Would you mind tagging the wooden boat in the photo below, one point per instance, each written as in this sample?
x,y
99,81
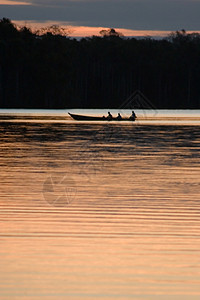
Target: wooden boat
x,y
93,118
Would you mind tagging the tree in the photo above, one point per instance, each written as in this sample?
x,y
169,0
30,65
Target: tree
x,y
48,70
7,29
53,30
178,36
110,32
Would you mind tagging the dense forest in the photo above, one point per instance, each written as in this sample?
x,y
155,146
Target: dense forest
x,y
48,69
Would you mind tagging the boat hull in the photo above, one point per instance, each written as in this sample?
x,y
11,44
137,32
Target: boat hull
x,y
93,118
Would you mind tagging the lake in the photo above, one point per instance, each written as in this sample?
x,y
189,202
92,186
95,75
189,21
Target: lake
x,y
99,210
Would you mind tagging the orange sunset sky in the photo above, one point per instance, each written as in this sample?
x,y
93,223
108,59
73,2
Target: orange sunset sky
x,y
89,17
81,31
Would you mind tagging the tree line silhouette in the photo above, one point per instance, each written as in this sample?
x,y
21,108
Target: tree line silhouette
x,y
48,69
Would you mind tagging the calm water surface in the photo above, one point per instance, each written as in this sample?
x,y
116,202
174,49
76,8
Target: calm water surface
x,y
99,211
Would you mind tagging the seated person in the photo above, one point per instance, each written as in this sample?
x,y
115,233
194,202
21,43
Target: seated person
x,y
109,117
133,116
119,117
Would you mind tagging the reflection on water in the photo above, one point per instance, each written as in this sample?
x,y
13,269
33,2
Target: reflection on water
x,y
105,211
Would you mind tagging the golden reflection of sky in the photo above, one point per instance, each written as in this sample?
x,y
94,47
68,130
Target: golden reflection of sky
x,y
132,230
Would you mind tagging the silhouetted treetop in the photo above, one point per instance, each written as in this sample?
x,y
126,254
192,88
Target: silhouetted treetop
x,y
7,29
110,32
182,37
53,30
48,69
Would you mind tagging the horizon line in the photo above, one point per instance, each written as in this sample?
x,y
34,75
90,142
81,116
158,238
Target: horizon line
x,y
86,31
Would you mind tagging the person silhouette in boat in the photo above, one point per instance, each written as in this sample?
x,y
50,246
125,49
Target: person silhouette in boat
x,y
119,117
109,116
133,116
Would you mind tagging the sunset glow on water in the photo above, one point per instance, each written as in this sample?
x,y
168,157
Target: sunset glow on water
x,y
99,211
103,201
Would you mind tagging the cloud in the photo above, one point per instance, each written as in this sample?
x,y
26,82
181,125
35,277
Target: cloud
x,y
94,2
13,2
130,14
